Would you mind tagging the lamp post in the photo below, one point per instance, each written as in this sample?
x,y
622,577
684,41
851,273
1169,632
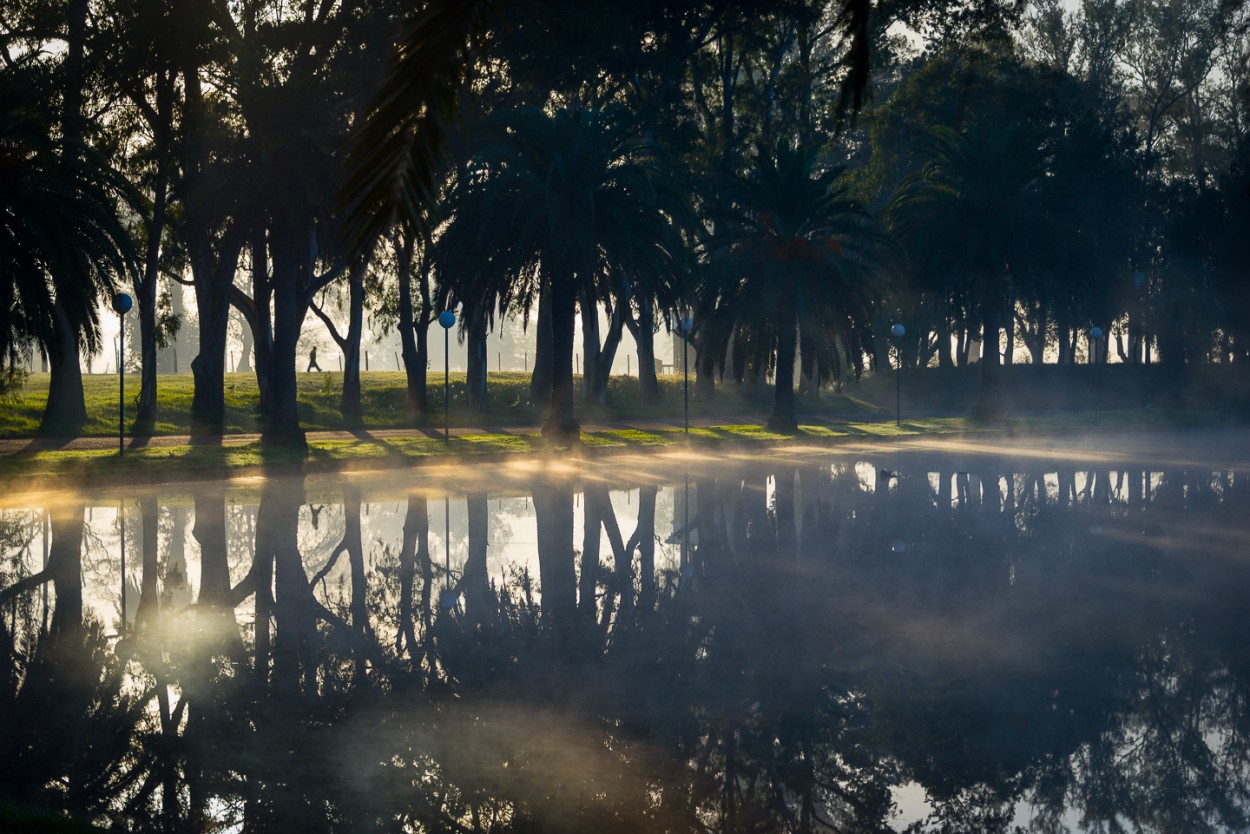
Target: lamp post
x,y
687,566
447,319
121,521
898,331
121,304
1095,336
686,325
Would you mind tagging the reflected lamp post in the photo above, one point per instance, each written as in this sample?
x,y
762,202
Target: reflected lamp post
x,y
449,598
446,319
686,325
121,304
898,331
687,566
121,521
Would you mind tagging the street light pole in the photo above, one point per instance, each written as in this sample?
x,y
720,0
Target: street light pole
x,y
686,326
1095,336
448,320
122,304
898,331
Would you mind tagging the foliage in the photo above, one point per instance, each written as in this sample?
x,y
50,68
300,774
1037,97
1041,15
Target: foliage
x,y
61,239
570,205
992,217
799,253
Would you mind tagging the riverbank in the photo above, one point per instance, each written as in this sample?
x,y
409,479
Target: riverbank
x,y
91,462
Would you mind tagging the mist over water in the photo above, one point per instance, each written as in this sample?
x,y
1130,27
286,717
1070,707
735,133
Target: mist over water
x,y
941,636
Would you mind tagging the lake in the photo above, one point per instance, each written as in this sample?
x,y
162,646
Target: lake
x,y
965,635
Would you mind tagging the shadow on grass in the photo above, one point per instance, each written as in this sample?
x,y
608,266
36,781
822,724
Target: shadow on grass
x,y
42,444
44,459
367,437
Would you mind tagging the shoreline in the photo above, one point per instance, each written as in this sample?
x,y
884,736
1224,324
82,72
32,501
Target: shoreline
x,y
243,457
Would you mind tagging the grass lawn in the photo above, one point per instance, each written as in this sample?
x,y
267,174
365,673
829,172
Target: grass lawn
x,y
382,399
510,424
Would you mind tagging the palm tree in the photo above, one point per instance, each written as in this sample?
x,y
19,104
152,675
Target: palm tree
x,y
567,206
62,246
801,257
398,147
397,151
990,210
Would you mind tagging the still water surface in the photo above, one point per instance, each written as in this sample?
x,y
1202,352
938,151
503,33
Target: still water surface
x,y
970,638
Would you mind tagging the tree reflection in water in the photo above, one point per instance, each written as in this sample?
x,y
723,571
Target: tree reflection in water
x,y
1036,647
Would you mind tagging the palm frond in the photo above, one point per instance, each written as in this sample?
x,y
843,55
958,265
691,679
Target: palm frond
x,y
397,150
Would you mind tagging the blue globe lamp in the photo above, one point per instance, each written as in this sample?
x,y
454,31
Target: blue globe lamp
x,y
898,331
447,320
121,305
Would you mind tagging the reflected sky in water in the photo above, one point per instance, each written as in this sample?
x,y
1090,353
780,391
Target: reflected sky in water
x,y
972,636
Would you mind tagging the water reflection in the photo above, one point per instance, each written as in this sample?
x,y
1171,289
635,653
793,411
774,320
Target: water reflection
x,y
914,641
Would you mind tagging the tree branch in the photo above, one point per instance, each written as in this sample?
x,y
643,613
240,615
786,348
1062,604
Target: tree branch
x,y
334,331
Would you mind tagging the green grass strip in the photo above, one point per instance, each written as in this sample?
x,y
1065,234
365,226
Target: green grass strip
x,y
176,463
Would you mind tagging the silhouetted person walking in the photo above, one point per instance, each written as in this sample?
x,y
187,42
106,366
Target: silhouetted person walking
x,y
312,361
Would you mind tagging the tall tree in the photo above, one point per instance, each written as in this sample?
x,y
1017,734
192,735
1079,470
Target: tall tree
x,y
62,244
89,191
146,47
567,204
801,258
988,212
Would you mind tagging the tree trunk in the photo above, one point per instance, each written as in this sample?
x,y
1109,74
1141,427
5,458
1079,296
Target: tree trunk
x,y
541,378
416,533
210,532
282,422
944,346
990,404
208,369
1037,340
277,540
477,598
262,319
607,353
212,266
246,349
553,513
645,534
561,423
349,402
475,374
591,348
1172,358
809,370
65,570
644,337
207,723
704,368
414,364
352,542
587,585
66,411
783,419
1010,351
145,286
